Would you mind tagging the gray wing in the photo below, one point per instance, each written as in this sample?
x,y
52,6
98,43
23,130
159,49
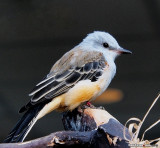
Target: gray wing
x,y
58,84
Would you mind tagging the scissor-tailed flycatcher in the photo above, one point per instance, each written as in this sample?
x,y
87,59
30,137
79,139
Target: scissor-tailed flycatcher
x,y
79,76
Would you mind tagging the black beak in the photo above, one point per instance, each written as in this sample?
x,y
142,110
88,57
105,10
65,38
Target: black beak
x,y
123,51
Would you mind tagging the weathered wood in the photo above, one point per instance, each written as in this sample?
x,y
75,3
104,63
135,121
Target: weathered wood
x,y
87,127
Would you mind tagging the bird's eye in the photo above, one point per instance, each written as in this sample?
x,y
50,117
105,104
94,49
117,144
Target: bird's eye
x,y
105,45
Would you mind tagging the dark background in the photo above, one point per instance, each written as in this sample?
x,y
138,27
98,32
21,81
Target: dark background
x,y
36,33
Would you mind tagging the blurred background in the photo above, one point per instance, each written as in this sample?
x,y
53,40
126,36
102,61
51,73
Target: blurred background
x,y
36,33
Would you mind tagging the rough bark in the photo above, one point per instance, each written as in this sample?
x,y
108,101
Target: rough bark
x,y
88,127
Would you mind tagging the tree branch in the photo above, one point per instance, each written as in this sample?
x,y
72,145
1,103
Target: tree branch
x,y
87,127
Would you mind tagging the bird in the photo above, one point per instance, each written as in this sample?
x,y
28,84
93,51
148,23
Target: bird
x,y
79,76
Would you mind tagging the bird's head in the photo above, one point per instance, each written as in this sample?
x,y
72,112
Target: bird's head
x,y
105,43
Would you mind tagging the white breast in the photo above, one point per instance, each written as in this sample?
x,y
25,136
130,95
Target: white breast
x,y
107,76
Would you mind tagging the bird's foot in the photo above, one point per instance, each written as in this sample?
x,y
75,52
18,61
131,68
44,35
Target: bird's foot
x,y
88,104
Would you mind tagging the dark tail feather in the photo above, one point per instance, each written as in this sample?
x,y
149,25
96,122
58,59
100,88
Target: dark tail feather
x,y
24,125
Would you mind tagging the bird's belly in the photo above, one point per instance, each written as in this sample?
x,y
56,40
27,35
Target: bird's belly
x,y
87,91
105,80
83,91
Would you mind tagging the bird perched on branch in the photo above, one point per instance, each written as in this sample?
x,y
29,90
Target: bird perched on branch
x,y
81,75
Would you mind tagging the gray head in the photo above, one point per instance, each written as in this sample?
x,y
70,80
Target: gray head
x,y
104,42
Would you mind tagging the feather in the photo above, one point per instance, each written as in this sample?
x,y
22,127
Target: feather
x,y
58,83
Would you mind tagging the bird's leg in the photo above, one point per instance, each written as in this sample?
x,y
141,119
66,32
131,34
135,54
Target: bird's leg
x,y
88,104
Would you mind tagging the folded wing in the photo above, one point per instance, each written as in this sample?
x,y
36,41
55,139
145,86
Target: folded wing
x,y
56,84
